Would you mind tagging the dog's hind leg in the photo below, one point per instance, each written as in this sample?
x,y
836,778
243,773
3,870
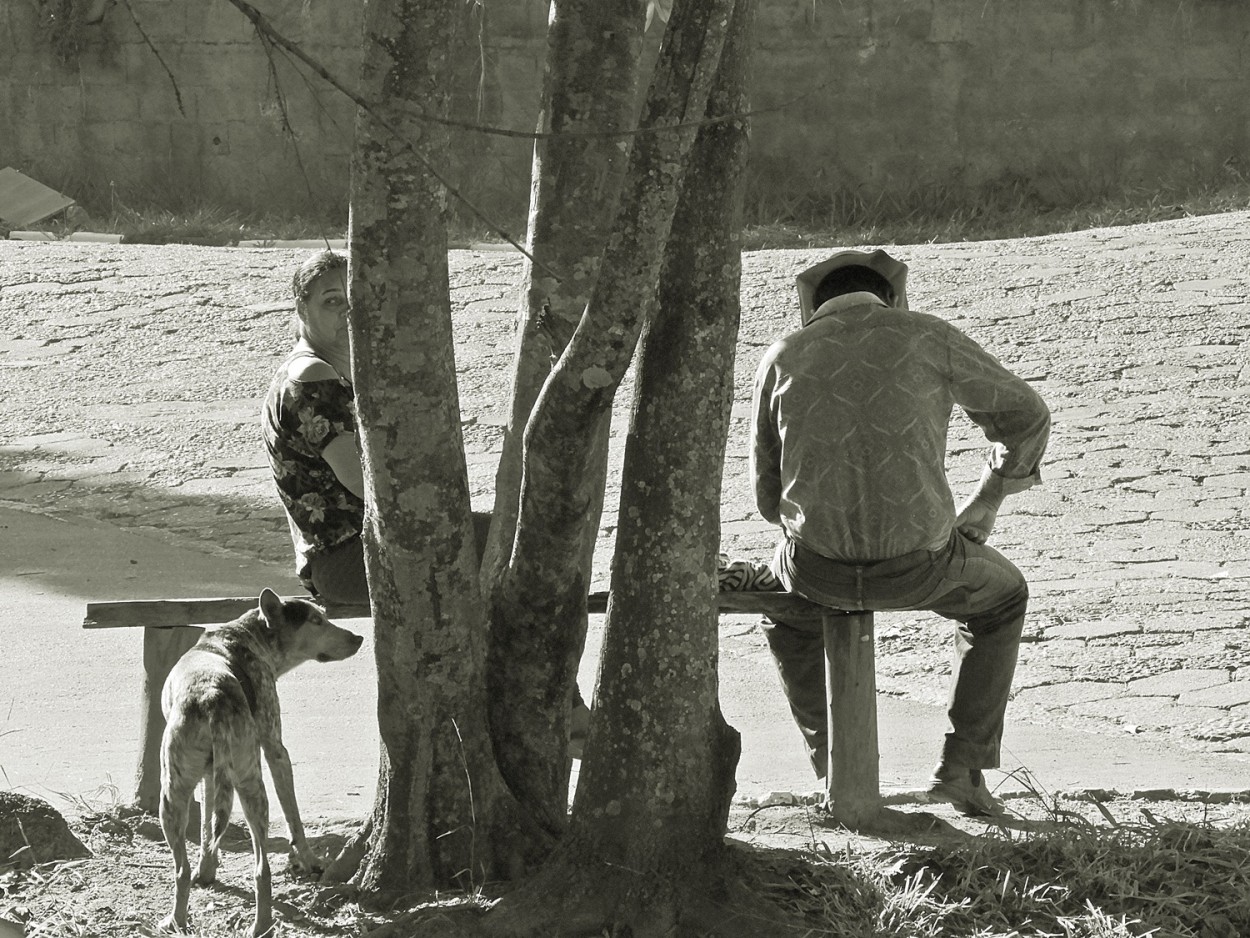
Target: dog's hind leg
x,y
255,804
177,787
218,802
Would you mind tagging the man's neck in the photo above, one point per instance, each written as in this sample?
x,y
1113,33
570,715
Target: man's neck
x,y
846,301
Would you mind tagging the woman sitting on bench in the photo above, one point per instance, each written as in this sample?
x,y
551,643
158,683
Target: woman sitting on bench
x,y
309,426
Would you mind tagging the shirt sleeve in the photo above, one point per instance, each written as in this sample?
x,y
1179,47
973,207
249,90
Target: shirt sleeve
x,y
1012,415
319,412
766,445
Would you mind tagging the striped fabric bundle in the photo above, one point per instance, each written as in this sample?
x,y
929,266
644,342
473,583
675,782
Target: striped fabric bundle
x,y
741,575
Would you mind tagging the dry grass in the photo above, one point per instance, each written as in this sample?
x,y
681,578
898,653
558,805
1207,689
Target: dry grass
x,y
209,226
914,213
1082,871
923,215
1051,870
1166,878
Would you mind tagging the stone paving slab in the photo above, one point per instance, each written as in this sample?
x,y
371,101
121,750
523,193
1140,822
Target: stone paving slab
x,y
130,381
1174,683
1224,696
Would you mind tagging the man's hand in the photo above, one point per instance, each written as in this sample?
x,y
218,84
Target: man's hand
x,y
977,515
976,519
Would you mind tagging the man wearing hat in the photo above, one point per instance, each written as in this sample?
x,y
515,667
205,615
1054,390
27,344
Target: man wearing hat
x,y
848,456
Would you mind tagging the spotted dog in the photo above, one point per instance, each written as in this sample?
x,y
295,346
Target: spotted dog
x,y
221,710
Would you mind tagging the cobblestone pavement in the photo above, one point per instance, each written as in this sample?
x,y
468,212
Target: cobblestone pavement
x,y
131,376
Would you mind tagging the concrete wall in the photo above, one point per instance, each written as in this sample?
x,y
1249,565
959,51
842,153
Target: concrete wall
x,y
1064,98
864,102
107,124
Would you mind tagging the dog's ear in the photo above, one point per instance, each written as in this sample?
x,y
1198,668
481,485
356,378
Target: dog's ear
x,y
271,608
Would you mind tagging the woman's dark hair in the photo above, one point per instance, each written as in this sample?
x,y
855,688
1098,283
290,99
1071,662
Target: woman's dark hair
x,y
313,267
854,278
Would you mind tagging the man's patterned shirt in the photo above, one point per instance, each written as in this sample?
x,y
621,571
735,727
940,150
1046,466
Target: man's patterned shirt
x,y
851,415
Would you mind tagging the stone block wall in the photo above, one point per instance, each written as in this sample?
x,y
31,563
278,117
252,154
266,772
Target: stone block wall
x,y
1061,98
184,108
861,102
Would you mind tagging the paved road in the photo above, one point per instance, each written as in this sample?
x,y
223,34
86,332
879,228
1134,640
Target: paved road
x,y
69,701
130,378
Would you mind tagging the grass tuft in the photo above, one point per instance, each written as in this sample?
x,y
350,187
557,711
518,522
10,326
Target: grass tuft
x,y
1072,880
208,225
912,214
1008,211
4,733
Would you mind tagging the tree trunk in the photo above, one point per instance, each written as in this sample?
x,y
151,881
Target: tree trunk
x,y
644,852
659,775
589,92
590,87
443,815
544,588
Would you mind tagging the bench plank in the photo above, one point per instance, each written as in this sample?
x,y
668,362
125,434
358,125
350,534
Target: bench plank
x,y
852,782
170,613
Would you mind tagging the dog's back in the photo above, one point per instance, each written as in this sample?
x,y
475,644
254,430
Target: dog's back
x,y
203,700
215,699
221,710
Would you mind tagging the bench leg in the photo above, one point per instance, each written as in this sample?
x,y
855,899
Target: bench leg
x,y
162,647
854,791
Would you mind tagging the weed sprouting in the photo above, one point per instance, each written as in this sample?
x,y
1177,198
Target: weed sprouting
x,y
4,733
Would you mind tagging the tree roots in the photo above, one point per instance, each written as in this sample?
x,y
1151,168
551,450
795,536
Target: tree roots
x,y
577,896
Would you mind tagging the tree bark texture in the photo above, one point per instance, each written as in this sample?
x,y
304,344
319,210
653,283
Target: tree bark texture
x,y
659,773
442,815
644,854
590,87
543,591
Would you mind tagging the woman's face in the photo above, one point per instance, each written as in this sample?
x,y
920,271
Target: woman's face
x,y
324,313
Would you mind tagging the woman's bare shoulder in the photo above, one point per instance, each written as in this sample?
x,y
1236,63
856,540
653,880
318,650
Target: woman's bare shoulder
x,y
308,368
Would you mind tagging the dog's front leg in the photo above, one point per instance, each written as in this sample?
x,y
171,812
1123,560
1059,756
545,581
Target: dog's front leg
x,y
284,784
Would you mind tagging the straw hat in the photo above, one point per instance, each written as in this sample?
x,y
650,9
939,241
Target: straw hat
x,y
892,270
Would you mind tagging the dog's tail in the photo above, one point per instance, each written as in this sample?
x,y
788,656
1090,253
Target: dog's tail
x,y
218,784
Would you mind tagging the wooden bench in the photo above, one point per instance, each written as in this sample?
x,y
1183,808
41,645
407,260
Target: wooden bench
x,y
853,782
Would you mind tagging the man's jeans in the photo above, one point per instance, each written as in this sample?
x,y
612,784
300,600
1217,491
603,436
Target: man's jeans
x,y
970,583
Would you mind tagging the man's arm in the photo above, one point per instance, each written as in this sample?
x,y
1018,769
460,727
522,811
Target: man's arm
x,y
766,446
1013,417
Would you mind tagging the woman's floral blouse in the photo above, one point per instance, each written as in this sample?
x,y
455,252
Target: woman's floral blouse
x,y
299,421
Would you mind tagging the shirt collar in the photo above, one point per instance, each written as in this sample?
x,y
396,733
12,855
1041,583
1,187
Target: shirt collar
x,y
844,302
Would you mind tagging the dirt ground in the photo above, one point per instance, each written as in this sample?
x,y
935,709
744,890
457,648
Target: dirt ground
x,y
126,886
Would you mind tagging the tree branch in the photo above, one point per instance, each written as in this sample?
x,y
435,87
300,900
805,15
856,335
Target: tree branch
x,y
268,34
287,128
156,52
264,26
